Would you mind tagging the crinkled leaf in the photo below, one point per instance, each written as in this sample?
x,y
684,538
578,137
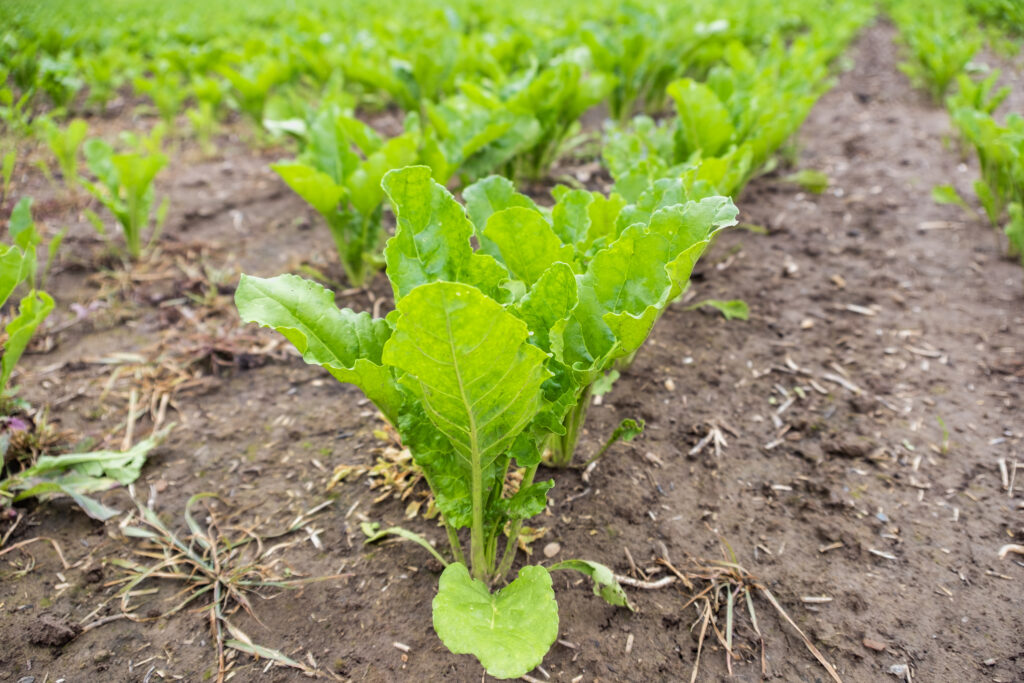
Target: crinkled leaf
x,y
526,242
488,196
530,501
510,631
550,300
603,384
78,474
432,237
348,344
570,215
469,363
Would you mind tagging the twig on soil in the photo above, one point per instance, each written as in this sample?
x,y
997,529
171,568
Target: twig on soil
x,y
1010,548
646,585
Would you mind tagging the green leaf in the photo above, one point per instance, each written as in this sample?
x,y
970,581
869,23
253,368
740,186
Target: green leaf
x,y
32,310
348,344
810,180
469,363
551,299
22,227
78,474
947,194
12,270
732,310
605,585
603,384
527,244
432,237
704,122
364,183
488,196
316,187
570,216
1015,230
510,631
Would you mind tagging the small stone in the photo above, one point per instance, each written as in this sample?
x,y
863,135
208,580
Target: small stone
x,y
552,549
806,324
160,486
876,645
991,661
899,670
27,679
670,385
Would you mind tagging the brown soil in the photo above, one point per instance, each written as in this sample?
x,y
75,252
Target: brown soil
x,y
877,318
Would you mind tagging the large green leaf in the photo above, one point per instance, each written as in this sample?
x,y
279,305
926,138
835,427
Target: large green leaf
x,y
510,631
365,182
432,237
468,361
348,344
32,310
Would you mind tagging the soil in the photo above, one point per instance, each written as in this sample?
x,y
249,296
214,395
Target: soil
x,y
863,411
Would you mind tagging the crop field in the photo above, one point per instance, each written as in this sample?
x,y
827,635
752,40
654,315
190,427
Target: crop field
x,y
460,340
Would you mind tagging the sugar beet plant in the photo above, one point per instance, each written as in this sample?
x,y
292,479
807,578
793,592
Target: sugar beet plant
x,y
19,268
485,357
339,175
124,185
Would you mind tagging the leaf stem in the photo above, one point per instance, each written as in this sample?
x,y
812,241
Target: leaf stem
x,y
565,445
513,538
453,541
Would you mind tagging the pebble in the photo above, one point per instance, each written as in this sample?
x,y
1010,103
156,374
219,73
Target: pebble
x,y
670,384
551,549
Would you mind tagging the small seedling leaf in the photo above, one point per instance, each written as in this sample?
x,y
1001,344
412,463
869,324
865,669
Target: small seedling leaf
x,y
605,585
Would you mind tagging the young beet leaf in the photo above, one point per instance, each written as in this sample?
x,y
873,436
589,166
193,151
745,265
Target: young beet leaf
x,y
344,187
18,265
125,187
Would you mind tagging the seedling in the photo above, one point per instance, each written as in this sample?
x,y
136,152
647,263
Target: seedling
x,y
124,185
344,187
19,266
